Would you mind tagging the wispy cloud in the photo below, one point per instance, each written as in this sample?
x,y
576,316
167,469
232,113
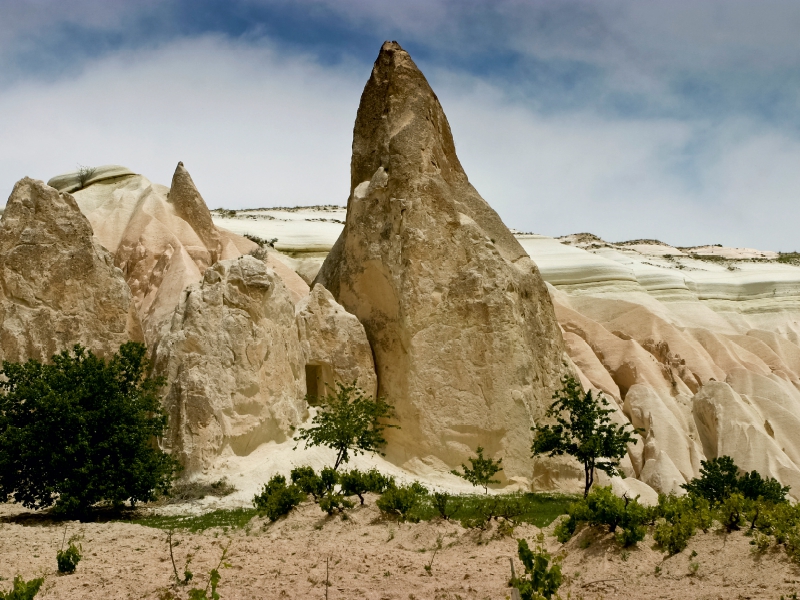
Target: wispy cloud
x,y
671,119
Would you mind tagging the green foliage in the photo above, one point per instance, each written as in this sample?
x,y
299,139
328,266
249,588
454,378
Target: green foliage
x,y
334,502
348,422
277,498
482,471
68,559
80,431
719,478
446,505
358,483
213,581
399,501
731,511
584,431
224,518
602,508
677,518
541,579
22,590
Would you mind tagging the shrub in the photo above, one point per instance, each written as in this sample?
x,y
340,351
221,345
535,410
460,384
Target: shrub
x,y
398,501
308,482
23,590
446,505
541,579
332,502
358,483
68,559
719,478
677,519
80,431
583,430
482,471
277,498
602,508
348,422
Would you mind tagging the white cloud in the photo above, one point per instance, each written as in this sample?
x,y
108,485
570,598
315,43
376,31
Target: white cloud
x,y
257,127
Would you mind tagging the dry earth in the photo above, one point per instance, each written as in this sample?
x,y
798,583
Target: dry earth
x,y
373,558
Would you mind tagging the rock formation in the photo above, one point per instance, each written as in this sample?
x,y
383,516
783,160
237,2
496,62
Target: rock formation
x,y
233,363
162,238
466,344
334,344
58,286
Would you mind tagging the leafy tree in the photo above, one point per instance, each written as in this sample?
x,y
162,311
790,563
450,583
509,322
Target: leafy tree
x,y
719,479
348,422
81,430
482,470
583,430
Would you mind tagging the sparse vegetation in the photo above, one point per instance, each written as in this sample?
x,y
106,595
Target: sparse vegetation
x,y
584,431
85,174
482,471
541,579
68,559
80,431
223,519
348,422
277,499
22,590
623,516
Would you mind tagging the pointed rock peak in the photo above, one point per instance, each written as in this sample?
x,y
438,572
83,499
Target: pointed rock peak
x,y
402,142
190,206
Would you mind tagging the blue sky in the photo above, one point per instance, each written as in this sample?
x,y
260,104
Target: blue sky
x,y
663,119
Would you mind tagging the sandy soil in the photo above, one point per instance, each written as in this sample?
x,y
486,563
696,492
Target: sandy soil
x,y
373,558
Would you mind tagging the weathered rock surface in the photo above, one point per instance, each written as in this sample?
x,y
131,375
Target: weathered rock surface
x,y
162,238
58,286
233,362
466,344
334,345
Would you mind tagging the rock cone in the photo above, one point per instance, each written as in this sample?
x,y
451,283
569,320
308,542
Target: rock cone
x,y
58,286
465,339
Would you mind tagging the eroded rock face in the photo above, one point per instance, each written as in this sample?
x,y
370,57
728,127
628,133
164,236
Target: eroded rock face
x,y
161,238
465,340
334,344
59,286
233,362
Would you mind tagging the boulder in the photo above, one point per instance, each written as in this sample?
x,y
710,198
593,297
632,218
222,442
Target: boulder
x,y
465,339
334,345
59,286
233,364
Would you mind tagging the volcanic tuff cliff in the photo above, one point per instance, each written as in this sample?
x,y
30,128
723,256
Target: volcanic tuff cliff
x,y
58,286
466,343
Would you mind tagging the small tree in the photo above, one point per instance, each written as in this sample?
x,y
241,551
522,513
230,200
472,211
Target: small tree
x,y
583,430
81,430
482,470
348,422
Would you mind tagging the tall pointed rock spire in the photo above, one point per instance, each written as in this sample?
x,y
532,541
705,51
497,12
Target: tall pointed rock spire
x,y
465,338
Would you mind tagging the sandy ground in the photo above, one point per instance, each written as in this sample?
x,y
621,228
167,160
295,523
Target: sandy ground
x,y
372,558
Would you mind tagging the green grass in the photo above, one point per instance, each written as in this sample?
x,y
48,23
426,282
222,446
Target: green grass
x,y
234,519
539,509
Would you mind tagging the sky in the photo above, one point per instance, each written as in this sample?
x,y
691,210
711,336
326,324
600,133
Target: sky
x,y
667,119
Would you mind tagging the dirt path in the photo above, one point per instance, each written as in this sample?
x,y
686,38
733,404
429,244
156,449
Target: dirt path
x,y
376,559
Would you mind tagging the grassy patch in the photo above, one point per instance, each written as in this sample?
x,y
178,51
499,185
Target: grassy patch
x,y
539,509
234,519
186,491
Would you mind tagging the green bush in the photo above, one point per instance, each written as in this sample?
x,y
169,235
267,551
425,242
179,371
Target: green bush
x,y
602,508
308,482
482,471
80,431
68,559
358,483
541,579
277,498
446,505
678,518
719,478
399,501
23,590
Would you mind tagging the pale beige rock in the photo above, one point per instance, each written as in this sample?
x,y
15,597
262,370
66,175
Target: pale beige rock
x,y
466,343
162,239
334,345
77,180
233,362
59,286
